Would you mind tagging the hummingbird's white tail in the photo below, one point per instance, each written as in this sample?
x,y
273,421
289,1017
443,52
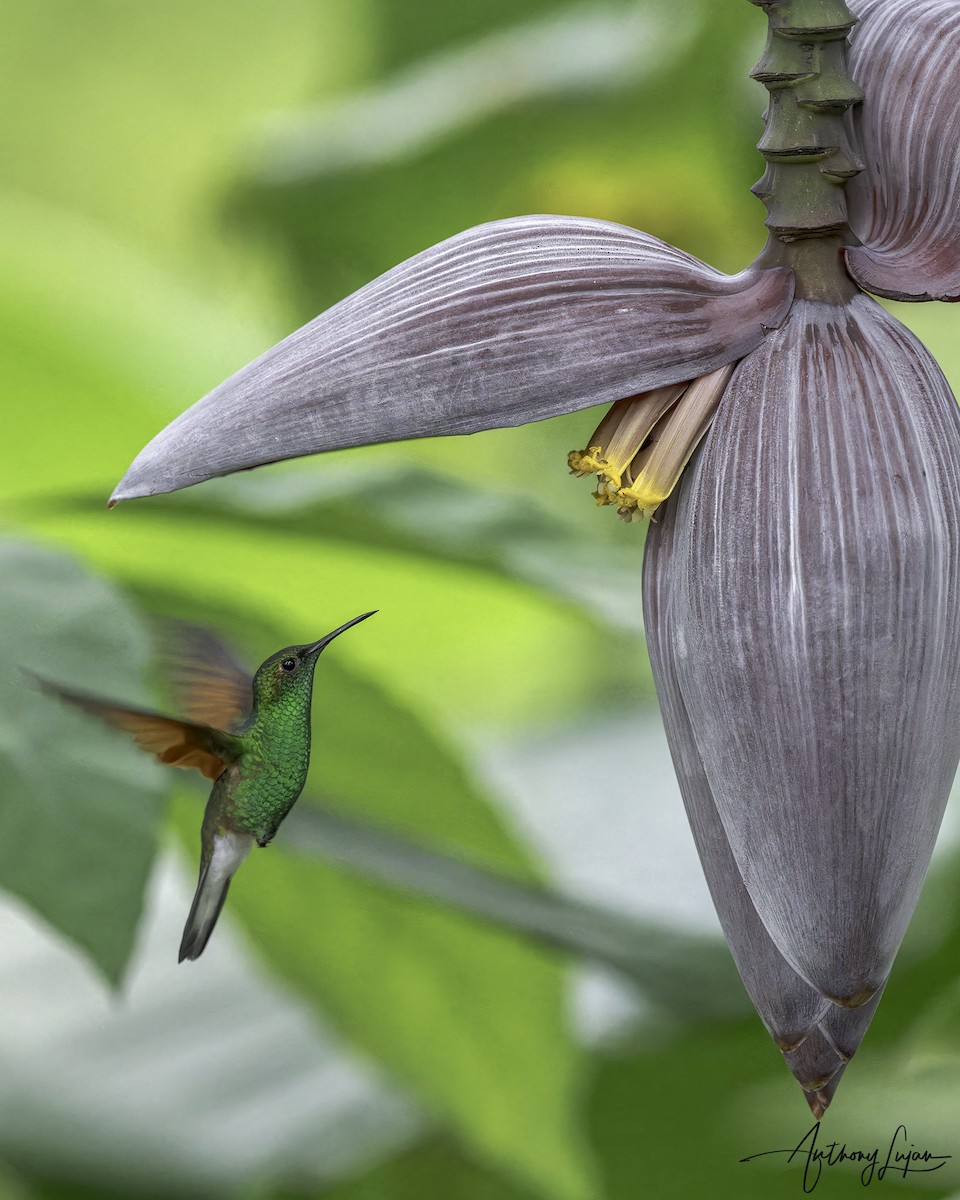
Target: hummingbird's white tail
x,y
229,851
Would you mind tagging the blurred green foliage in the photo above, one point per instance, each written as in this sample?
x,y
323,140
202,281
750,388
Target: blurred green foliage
x,y
81,814
184,183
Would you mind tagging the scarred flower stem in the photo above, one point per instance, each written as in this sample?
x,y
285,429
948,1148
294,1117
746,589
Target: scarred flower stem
x,y
807,142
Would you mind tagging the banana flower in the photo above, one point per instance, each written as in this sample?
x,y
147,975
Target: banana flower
x,y
801,452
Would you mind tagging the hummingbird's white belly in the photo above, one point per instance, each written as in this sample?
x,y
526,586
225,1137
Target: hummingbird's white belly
x,y
229,851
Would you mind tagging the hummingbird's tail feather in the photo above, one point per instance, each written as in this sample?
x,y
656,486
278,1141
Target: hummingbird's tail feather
x,y
229,851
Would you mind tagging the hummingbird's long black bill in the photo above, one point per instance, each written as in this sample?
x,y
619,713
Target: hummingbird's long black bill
x,y
325,641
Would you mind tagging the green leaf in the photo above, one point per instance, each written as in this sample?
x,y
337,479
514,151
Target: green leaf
x,y
455,644
689,976
165,99
79,806
434,1169
472,1019
932,1043
98,347
350,191
13,1186
422,27
374,758
433,515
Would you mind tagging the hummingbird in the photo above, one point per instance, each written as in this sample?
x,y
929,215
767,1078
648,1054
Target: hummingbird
x,y
249,735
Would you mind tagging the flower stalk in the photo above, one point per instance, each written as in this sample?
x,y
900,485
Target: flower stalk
x,y
806,141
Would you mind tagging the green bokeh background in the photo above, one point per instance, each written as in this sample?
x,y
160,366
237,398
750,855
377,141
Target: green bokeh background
x,y
181,185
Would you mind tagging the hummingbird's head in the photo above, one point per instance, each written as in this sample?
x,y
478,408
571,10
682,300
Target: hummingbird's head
x,y
289,672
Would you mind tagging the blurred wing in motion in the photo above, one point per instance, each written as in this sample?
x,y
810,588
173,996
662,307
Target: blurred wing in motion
x,y
172,742
209,684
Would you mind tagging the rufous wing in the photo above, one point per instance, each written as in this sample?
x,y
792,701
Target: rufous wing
x,y
175,743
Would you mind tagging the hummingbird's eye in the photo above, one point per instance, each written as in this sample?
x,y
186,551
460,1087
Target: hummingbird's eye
x,y
289,665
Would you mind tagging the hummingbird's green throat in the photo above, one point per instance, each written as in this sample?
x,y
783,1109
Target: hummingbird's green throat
x,y
251,736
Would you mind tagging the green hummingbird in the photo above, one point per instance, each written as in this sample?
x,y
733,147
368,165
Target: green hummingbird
x,y
251,736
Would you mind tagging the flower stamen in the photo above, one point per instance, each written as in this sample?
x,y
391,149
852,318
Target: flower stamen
x,y
641,446
622,431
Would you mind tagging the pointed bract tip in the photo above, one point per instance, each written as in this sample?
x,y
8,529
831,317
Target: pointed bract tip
x,y
126,490
819,1100
143,479
818,1106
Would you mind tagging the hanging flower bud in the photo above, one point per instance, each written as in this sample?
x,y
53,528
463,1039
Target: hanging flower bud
x,y
805,646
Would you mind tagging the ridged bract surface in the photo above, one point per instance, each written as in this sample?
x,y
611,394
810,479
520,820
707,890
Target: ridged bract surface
x,y
509,322
905,207
801,598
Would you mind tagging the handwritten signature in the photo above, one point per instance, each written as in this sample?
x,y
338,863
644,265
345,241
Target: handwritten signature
x,y
901,1158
